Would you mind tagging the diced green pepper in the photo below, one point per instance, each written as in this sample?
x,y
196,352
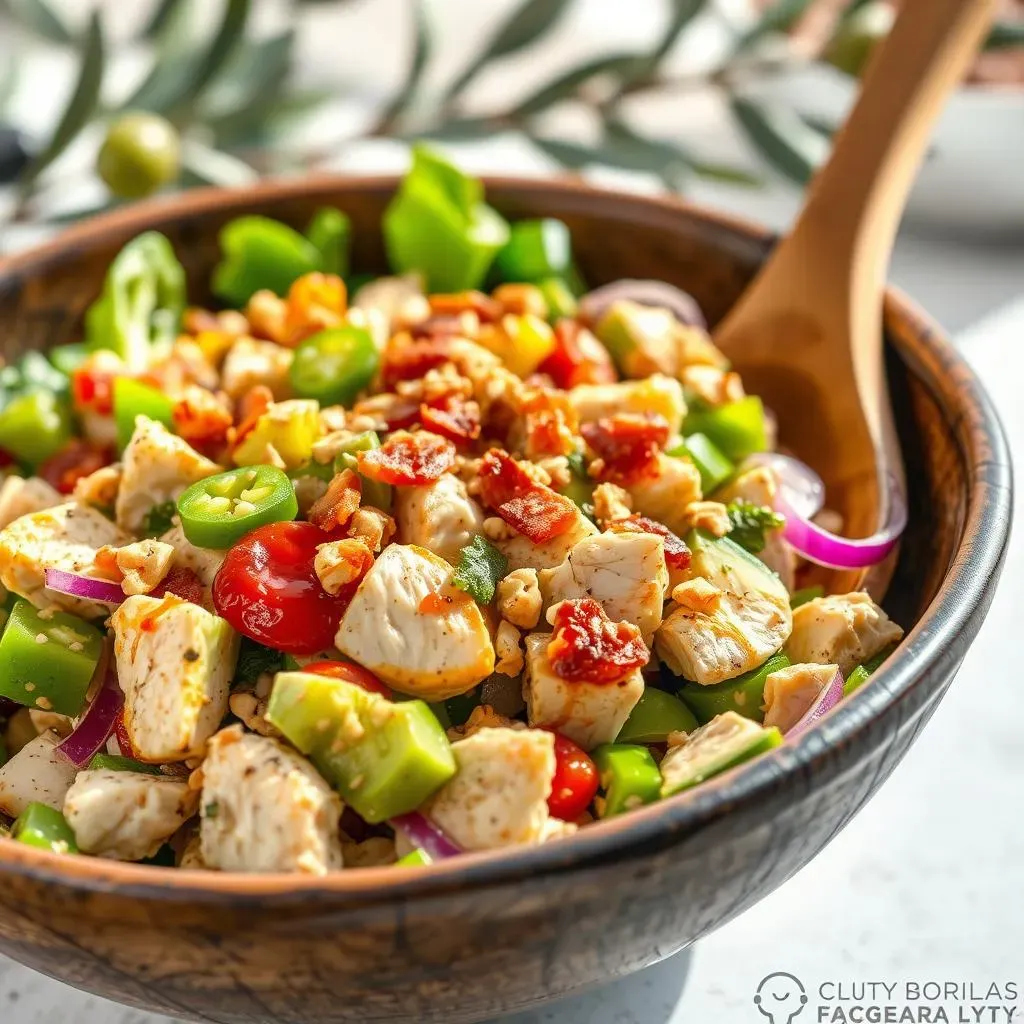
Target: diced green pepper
x,y
68,358
44,828
799,597
333,366
713,466
655,715
48,662
142,301
220,510
384,758
375,492
629,778
744,694
115,763
330,231
259,253
736,428
415,859
481,566
439,225
559,297
723,743
35,426
133,398
862,673
535,249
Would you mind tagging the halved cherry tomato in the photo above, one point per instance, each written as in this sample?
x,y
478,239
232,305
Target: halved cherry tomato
x,y
268,590
677,554
575,780
578,358
535,511
587,647
349,673
75,460
408,459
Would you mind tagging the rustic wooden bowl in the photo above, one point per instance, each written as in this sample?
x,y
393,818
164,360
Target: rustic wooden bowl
x,y
497,932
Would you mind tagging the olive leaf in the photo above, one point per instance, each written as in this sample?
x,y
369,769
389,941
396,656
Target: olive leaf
x,y
531,20
683,12
568,84
1004,34
625,148
423,46
786,141
250,80
83,100
726,174
571,155
8,82
459,129
204,165
779,17
39,17
158,19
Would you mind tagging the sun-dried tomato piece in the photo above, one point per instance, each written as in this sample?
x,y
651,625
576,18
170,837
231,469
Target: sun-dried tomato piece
x,y
532,509
677,554
627,443
183,583
452,416
338,503
408,358
75,460
408,459
395,412
578,358
587,647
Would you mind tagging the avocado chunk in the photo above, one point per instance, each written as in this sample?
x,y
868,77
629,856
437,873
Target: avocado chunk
x,y
726,741
731,567
383,758
629,778
744,694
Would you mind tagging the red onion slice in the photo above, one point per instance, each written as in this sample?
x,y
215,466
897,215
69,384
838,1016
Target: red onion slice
x,y
829,697
97,723
425,836
75,585
805,490
595,304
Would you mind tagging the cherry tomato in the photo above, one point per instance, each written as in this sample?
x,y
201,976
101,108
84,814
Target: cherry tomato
x,y
268,590
77,459
355,674
92,386
575,781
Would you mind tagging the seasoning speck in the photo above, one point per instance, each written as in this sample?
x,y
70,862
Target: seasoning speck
x,y
45,703
191,655
211,810
76,646
42,638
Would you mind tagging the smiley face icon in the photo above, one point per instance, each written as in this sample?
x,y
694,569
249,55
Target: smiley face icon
x,y
780,997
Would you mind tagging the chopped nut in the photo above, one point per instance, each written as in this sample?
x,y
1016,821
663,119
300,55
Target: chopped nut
x,y
373,525
519,598
497,529
144,565
712,516
520,299
557,467
508,650
483,716
267,316
611,502
698,595
341,562
251,710
328,446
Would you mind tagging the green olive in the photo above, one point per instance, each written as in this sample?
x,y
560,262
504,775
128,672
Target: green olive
x,y
857,36
141,153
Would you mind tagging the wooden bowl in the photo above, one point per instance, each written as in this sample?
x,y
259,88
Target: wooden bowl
x,y
496,932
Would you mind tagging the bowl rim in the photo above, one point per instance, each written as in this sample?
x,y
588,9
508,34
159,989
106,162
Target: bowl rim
x,y
959,603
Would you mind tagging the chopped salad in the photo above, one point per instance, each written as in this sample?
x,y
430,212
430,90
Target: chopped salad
x,y
359,570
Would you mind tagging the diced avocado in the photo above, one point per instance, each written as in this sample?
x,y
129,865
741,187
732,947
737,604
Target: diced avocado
x,y
289,427
117,763
744,694
713,466
726,741
629,778
383,758
731,567
655,715
640,339
416,859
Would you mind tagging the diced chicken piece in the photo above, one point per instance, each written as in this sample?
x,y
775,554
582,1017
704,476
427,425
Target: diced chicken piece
x,y
519,598
19,497
790,692
499,795
158,466
438,516
64,537
127,815
341,562
100,488
175,661
250,362
404,626
399,299
507,650
266,808
711,384
844,629
757,486
204,562
611,502
36,774
588,713
624,572
715,635
658,394
144,565
664,494
522,553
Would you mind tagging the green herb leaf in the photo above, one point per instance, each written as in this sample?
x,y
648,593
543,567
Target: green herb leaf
x,y
81,105
459,129
748,524
1005,34
229,33
683,12
481,567
423,47
206,166
253,660
39,17
527,23
779,17
158,519
567,85
782,137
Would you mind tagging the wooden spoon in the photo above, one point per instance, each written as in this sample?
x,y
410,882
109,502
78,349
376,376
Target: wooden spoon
x,y
807,333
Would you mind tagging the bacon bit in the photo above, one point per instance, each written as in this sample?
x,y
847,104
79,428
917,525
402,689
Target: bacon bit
x,y
181,583
587,647
315,301
627,443
406,358
551,424
677,554
201,420
408,459
453,417
578,358
76,460
105,563
452,304
92,383
253,405
531,509
339,503
394,411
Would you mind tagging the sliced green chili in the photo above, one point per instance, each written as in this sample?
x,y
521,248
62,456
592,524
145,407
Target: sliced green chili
x,y
133,398
35,426
333,366
45,828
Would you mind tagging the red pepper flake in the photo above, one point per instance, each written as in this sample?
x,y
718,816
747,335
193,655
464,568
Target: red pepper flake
x,y
587,647
677,554
409,359
627,443
454,417
76,460
408,459
182,583
578,358
339,503
532,509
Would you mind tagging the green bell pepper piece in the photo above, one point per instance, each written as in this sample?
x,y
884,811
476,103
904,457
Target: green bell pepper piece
x,y
333,366
862,673
35,426
330,231
115,763
629,778
737,429
133,398
439,225
259,253
654,716
375,492
45,828
799,597
535,249
559,297
220,510
744,694
713,466
68,358
384,758
481,566
52,673
415,859
142,301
